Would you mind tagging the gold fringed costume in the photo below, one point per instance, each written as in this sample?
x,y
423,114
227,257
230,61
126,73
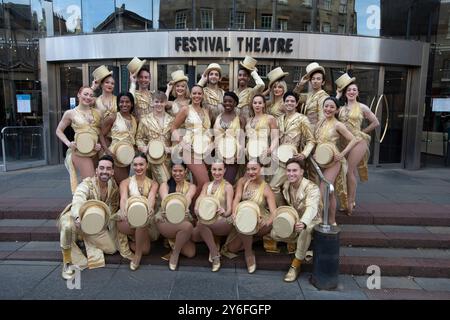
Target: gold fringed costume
x,y
245,96
212,100
106,110
81,125
275,108
294,130
306,200
313,107
96,245
123,130
143,101
196,125
353,119
151,129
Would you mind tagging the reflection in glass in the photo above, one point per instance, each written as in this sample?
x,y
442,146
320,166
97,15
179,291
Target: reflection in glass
x,y
38,20
369,17
98,15
134,14
67,16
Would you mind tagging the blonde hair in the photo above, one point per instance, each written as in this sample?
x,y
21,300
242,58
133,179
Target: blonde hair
x,y
187,93
281,83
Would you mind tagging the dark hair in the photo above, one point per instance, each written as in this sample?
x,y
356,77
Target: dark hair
x,y
171,183
232,95
140,155
301,163
126,94
248,72
344,97
290,93
107,157
144,69
317,71
336,101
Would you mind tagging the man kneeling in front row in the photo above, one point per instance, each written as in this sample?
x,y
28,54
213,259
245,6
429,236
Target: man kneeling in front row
x,y
304,196
96,197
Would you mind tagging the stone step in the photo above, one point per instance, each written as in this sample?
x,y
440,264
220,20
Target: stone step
x,y
389,236
433,263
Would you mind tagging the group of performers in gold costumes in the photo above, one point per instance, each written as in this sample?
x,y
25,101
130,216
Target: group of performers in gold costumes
x,y
246,157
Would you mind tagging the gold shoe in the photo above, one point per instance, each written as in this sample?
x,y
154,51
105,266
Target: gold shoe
x,y
173,266
134,266
215,263
292,274
251,268
67,272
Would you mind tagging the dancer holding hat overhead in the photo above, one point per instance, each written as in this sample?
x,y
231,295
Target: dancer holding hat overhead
x,y
304,196
244,92
143,96
106,103
178,87
277,88
177,190
122,127
216,195
328,132
82,152
251,189
137,186
229,136
153,138
94,200
352,114
213,93
315,75
196,144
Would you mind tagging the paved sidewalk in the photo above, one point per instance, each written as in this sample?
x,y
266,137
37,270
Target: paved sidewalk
x,y
42,280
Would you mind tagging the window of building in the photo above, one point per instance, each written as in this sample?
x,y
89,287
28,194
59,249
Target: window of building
x,y
206,18
239,22
446,71
343,6
297,73
326,27
307,3
266,21
326,4
181,19
448,28
307,26
282,24
263,70
341,28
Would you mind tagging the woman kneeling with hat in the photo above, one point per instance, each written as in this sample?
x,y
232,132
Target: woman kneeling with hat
x,y
253,196
213,210
174,220
137,205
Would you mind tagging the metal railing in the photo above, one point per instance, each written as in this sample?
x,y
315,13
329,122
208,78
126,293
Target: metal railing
x,y
23,147
324,226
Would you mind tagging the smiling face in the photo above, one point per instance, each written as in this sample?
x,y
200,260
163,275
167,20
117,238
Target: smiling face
x,y
140,166
278,89
144,79
86,96
197,95
329,109
253,170
178,173
159,105
317,81
294,172
258,104
125,104
229,103
352,92
108,84
217,171
213,77
290,103
180,88
104,170
243,78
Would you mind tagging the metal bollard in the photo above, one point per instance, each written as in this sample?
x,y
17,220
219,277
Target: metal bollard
x,y
325,274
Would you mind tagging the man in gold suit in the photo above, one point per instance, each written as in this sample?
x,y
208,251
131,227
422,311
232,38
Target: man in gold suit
x,y
103,188
304,196
213,94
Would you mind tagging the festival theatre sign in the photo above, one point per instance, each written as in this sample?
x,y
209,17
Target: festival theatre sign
x,y
214,44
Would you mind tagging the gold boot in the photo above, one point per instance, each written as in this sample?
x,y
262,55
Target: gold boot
x,y
270,245
291,247
293,271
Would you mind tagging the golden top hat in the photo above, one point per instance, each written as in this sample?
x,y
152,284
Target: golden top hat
x,y
137,211
207,209
175,205
178,76
213,66
324,154
156,152
344,81
249,63
101,73
247,217
313,67
227,147
200,143
124,152
286,152
284,223
85,142
94,216
275,75
135,65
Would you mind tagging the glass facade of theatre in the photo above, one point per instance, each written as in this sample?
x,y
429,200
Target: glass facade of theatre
x,y
396,49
